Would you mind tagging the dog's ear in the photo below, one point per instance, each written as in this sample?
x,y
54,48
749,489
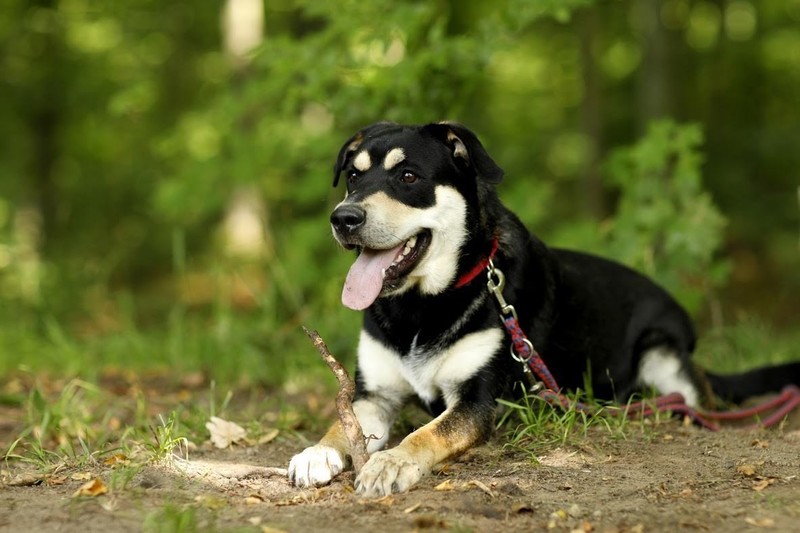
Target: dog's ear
x,y
351,146
466,147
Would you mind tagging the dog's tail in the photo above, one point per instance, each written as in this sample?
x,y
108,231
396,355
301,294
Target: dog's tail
x,y
738,387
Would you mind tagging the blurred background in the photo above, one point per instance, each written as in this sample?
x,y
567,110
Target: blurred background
x,y
166,167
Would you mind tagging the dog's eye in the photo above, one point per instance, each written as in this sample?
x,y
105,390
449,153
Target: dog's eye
x,y
352,176
408,177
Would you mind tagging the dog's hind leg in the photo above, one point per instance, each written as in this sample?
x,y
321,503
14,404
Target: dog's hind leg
x,y
663,369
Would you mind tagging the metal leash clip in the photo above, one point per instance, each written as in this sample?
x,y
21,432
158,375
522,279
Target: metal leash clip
x,y
496,288
496,283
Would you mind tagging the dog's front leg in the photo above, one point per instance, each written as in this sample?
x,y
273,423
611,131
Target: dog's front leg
x,y
318,464
398,469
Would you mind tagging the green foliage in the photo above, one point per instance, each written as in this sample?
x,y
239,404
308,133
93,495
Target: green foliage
x,y
132,131
666,225
173,519
749,343
166,440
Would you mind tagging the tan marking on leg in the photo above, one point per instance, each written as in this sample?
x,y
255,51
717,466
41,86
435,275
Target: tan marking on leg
x,y
448,435
335,438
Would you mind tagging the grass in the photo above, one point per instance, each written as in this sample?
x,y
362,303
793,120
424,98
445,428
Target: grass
x,y
532,425
173,519
82,418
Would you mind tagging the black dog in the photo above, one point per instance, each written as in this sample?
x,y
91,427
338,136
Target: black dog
x,y
423,215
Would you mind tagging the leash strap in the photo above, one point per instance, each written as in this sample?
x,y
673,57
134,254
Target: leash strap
x,y
523,351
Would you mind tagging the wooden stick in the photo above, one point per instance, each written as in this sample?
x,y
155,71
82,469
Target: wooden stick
x,y
344,403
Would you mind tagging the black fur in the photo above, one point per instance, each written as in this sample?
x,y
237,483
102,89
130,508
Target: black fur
x,y
585,315
588,317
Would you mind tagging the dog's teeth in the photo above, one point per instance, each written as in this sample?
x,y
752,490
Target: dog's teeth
x,y
383,272
412,242
406,250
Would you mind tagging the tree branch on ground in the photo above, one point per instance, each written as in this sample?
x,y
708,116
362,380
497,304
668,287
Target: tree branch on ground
x,y
344,403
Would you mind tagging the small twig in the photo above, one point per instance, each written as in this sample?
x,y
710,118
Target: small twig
x,y
344,402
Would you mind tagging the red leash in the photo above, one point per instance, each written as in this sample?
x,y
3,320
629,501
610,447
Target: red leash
x,y
522,350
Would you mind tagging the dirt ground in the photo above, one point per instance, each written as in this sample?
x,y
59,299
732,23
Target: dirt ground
x,y
667,478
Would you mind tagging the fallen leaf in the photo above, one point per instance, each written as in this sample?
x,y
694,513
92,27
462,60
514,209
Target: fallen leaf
x,y
81,476
253,499
269,436
25,480
118,458
445,485
758,443
91,489
409,510
482,486
56,480
386,501
758,486
746,470
760,522
224,433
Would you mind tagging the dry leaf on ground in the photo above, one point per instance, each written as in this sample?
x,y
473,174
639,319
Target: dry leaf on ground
x,y
445,485
224,433
762,484
746,470
92,488
269,436
25,480
482,486
760,522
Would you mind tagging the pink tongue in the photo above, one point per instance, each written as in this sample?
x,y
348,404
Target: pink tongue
x,y
364,281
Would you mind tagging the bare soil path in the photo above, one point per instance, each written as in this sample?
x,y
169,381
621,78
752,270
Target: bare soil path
x,y
668,478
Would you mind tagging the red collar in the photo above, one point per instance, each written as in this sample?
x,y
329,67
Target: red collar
x,y
477,269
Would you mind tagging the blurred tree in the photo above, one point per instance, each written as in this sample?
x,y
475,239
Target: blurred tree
x,y
132,133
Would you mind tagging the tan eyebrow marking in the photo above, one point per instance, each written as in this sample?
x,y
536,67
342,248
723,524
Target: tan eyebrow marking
x,y
362,161
393,158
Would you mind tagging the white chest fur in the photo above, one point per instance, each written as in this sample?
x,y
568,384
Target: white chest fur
x,y
427,374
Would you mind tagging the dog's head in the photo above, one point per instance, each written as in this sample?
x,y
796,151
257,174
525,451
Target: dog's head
x,y
411,198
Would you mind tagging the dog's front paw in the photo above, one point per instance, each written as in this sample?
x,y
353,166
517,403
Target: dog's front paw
x,y
315,466
387,472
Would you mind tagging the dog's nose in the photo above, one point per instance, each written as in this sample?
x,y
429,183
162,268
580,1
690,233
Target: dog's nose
x,y
348,218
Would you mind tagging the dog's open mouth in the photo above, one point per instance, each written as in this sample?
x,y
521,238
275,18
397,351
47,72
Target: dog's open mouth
x,y
377,270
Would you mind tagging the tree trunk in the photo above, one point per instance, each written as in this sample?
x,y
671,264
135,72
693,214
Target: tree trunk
x,y
591,116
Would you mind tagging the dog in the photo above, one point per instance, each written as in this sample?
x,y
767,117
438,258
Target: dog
x,y
423,216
